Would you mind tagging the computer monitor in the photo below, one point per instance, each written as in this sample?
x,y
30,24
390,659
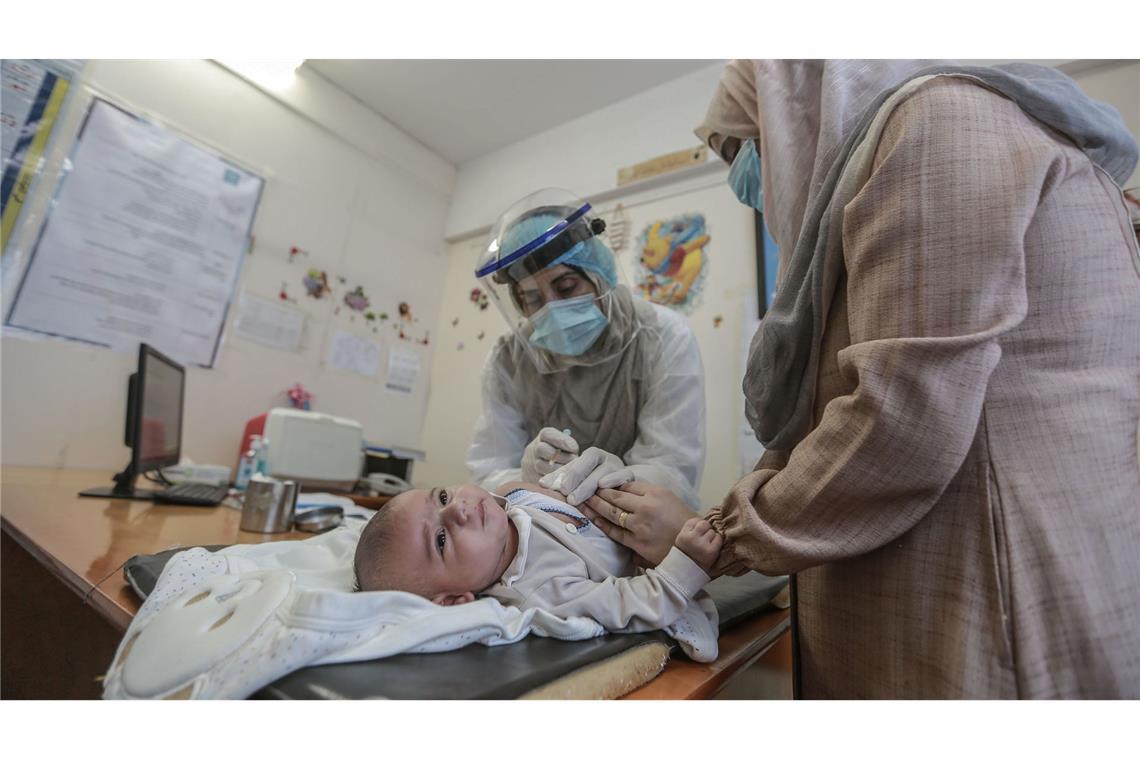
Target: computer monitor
x,y
153,426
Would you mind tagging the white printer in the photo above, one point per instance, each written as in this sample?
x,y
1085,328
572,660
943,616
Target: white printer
x,y
316,450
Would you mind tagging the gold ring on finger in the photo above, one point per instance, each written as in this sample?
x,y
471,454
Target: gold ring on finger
x,y
622,519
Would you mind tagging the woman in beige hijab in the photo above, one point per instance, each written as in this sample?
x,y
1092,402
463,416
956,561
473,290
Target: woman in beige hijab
x,y
948,383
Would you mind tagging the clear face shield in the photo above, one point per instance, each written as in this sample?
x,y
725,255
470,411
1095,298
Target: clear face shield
x,y
556,282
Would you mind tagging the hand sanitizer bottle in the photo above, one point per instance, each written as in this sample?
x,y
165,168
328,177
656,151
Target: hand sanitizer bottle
x,y
262,465
248,463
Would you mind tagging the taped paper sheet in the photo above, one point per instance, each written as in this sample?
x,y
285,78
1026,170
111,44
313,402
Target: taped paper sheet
x,y
351,353
270,323
403,371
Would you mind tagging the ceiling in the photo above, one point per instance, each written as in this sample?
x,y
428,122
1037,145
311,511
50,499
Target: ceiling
x,y
463,109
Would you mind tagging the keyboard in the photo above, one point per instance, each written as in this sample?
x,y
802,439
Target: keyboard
x,y
193,494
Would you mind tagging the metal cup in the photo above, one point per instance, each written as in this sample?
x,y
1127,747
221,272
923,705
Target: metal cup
x,y
269,505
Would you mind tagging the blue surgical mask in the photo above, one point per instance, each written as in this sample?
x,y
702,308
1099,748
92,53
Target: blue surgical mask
x,y
569,326
744,176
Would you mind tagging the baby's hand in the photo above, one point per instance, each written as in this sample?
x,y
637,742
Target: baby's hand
x,y
698,540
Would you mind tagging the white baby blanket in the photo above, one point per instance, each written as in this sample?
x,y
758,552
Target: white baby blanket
x,y
222,625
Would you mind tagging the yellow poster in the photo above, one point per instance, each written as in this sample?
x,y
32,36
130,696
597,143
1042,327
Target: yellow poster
x,y
673,264
32,97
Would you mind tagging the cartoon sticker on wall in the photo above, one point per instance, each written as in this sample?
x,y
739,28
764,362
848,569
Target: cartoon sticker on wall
x,y
479,298
617,228
356,300
316,283
673,265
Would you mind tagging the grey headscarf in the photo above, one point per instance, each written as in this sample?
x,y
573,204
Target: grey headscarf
x,y
808,117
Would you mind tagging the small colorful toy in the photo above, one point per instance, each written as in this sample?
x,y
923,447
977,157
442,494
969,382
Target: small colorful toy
x,y
299,398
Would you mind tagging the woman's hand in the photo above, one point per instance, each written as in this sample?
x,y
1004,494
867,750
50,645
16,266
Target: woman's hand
x,y
653,517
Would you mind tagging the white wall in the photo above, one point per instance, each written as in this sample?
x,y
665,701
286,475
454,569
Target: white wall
x,y
341,183
1119,85
455,402
582,155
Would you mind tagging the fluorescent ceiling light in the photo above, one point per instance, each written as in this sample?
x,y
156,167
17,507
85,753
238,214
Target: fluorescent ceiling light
x,y
273,75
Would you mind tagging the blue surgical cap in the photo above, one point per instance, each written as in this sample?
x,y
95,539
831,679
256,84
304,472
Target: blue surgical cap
x,y
591,254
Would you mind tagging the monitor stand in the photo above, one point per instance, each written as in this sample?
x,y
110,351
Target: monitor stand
x,y
123,488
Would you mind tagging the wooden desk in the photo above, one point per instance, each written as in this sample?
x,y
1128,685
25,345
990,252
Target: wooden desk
x,y
762,642
83,542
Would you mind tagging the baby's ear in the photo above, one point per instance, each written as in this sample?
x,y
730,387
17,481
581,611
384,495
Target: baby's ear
x,y
449,599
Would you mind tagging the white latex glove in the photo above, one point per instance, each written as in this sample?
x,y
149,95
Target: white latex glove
x,y
549,450
593,469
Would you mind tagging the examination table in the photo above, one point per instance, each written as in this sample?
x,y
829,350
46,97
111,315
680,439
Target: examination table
x,y
536,667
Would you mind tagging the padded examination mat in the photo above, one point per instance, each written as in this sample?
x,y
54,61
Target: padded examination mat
x,y
604,667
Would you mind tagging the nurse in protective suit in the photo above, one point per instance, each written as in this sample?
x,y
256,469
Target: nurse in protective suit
x,y
592,387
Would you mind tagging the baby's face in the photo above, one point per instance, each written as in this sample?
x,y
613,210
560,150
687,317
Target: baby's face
x,y
451,540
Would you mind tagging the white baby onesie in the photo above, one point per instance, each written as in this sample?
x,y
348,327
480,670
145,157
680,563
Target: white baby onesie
x,y
578,571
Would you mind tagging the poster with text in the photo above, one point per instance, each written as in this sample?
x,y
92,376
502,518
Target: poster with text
x,y
144,244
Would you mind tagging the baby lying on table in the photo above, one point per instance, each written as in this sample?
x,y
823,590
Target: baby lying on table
x,y
451,545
